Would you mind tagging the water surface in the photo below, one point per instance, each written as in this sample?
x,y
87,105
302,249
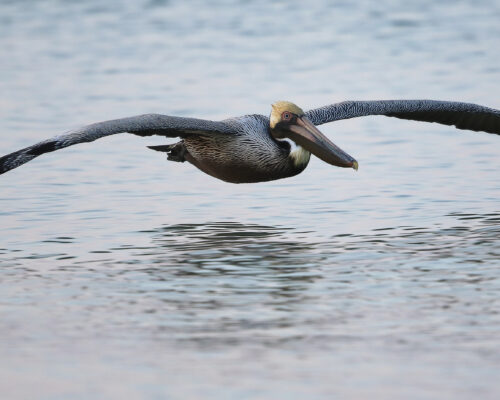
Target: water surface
x,y
124,276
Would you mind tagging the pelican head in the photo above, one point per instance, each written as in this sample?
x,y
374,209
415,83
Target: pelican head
x,y
287,120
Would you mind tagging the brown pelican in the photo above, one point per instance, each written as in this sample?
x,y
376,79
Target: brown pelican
x,y
254,148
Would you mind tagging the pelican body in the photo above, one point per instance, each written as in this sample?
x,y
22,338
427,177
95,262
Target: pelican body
x,y
255,148
249,155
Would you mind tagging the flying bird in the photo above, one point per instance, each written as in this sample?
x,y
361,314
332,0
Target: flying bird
x,y
256,148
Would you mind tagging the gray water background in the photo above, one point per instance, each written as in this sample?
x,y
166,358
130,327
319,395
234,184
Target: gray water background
x,y
126,276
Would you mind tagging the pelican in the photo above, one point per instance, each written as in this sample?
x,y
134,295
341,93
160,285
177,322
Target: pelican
x,y
255,148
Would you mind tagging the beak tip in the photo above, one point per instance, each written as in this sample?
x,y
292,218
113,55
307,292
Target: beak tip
x,y
355,165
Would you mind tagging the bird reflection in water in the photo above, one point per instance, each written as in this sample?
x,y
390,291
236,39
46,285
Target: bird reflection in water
x,y
264,258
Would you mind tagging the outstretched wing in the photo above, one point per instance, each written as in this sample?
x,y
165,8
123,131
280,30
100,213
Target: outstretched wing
x,y
462,115
142,125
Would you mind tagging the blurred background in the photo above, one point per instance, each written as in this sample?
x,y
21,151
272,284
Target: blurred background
x,y
123,275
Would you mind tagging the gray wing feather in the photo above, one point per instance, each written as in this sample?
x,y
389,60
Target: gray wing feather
x,y
142,125
462,115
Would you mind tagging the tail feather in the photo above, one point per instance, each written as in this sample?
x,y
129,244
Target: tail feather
x,y
165,148
175,152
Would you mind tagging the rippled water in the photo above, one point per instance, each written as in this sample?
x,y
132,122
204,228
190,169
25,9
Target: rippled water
x,y
124,276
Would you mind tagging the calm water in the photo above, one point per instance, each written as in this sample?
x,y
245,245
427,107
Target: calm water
x,y
124,276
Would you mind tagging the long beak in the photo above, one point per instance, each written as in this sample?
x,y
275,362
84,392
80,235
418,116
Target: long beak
x,y
305,134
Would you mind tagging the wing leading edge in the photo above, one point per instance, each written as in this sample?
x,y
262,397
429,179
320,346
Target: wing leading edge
x,y
462,115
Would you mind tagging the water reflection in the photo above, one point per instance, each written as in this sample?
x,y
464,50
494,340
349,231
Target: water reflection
x,y
231,258
236,248
237,244
223,283
229,264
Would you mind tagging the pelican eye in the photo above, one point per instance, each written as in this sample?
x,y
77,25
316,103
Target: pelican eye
x,y
286,116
